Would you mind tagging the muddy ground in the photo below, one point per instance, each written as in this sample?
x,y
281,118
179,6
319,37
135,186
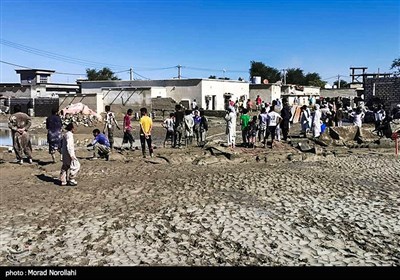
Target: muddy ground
x,y
202,206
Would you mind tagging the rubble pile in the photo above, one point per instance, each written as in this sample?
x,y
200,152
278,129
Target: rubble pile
x,y
79,114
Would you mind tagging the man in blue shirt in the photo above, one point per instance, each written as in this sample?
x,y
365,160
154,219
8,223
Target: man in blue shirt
x,y
101,145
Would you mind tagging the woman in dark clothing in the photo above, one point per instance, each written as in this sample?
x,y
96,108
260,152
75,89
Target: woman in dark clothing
x,y
54,129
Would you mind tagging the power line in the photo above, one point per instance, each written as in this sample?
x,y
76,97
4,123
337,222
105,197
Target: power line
x,y
56,72
335,77
141,75
9,63
214,70
54,55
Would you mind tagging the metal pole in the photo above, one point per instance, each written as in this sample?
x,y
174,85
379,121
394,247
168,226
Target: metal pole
x,y
338,81
284,76
130,74
179,71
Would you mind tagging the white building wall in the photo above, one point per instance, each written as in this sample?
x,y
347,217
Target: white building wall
x,y
267,94
126,97
158,92
218,88
99,103
184,93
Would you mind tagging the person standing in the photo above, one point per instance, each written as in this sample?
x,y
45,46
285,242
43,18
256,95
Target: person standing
x,y
316,121
306,120
258,103
168,124
203,127
54,133
380,116
109,124
189,124
358,116
244,122
196,127
146,125
230,119
273,121
207,102
19,123
339,115
71,165
127,128
286,114
178,128
194,104
263,122
101,145
252,132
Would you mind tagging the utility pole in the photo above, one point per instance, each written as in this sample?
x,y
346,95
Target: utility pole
x,y
130,74
179,71
284,76
338,80
223,70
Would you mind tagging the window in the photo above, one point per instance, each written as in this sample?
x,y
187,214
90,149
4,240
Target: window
x,y
43,79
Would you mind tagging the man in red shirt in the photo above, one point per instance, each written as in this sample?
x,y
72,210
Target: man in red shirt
x,y
128,137
258,103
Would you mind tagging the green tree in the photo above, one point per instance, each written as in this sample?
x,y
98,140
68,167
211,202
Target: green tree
x,y
101,75
266,72
295,76
314,79
343,84
212,77
396,66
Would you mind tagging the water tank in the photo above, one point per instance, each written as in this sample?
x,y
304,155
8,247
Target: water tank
x,y
31,113
256,80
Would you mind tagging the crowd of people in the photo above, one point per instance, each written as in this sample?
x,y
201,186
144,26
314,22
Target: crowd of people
x,y
268,121
273,121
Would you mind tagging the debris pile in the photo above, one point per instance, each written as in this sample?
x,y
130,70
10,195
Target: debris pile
x,y
80,114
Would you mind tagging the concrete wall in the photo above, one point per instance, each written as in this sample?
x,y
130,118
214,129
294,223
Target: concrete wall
x,y
15,91
122,100
345,93
157,92
386,89
267,92
184,93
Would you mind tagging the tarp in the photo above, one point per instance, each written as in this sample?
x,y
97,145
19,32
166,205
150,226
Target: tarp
x,y
80,108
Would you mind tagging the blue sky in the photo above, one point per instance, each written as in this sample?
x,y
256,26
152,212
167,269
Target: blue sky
x,y
205,37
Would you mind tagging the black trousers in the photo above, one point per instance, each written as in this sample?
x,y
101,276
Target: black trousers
x,y
285,129
143,141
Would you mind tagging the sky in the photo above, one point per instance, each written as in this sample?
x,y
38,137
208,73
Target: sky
x,y
205,37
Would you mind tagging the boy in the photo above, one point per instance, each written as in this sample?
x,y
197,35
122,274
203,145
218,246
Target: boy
x,y
101,145
127,127
109,124
146,125
71,164
169,124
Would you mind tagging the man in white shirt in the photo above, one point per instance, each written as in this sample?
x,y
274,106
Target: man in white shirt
x,y
194,104
273,121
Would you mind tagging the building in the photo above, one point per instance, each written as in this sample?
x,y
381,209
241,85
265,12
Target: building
x,y
385,90
295,94
267,92
346,95
300,95
35,93
210,94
